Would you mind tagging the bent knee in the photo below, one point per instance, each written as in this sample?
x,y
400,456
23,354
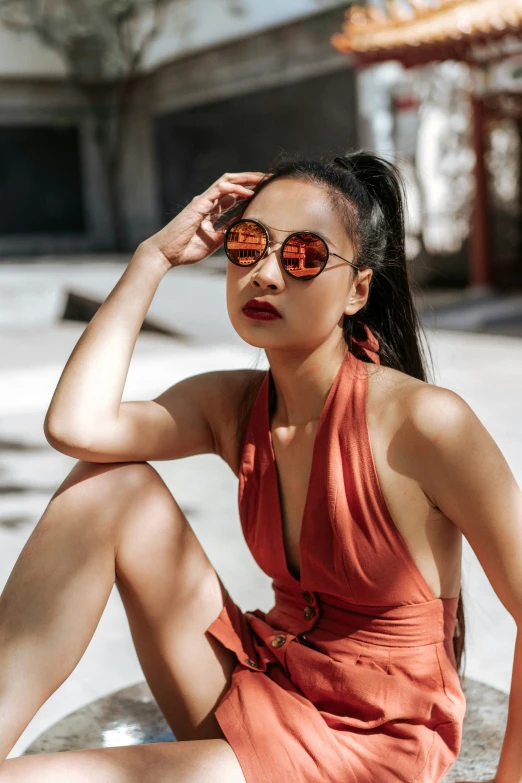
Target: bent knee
x,y
110,484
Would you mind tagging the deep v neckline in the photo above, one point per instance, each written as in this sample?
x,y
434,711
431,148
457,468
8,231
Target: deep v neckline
x,y
273,461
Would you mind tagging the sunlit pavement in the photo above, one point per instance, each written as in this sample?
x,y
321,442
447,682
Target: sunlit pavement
x,y
485,369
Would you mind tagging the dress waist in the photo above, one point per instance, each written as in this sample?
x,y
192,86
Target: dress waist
x,y
407,625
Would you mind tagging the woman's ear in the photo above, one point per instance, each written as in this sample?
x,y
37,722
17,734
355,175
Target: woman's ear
x,y
359,291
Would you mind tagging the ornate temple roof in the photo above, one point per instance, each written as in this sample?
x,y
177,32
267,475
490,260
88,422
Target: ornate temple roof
x,y
420,31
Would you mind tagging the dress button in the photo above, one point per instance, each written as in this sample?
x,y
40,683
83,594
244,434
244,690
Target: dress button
x,y
308,597
278,640
302,637
309,612
250,662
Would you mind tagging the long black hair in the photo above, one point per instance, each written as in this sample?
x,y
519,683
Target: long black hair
x,y
368,193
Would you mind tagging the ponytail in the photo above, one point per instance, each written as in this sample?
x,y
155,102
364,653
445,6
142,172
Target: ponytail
x,y
377,190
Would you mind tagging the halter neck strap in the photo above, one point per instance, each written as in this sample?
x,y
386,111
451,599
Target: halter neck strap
x,y
369,344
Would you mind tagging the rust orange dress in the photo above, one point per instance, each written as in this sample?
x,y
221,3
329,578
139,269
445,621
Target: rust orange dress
x,y
350,677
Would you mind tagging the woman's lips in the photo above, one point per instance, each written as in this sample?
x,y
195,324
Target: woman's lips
x,y
261,311
260,315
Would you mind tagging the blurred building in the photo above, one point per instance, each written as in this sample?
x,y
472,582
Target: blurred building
x,y
440,88
224,87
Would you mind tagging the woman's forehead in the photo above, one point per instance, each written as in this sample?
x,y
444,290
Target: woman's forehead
x,y
293,205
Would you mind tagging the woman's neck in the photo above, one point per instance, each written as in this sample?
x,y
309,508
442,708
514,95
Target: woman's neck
x,y
302,382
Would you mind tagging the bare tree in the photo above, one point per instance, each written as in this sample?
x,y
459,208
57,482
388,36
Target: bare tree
x,y
102,44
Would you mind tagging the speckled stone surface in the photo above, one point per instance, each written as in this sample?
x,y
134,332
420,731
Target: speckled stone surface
x,y
131,716
483,732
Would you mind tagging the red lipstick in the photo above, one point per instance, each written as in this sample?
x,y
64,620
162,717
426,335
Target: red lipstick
x,y
261,310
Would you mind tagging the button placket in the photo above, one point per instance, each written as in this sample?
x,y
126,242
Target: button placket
x,y
280,643
311,614
308,596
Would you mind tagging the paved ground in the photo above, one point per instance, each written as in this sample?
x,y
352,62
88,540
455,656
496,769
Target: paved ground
x,y
485,369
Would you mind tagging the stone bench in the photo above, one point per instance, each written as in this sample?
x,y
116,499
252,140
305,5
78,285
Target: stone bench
x,y
131,716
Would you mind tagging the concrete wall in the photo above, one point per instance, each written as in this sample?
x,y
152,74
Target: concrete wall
x,y
187,27
248,132
279,56
257,65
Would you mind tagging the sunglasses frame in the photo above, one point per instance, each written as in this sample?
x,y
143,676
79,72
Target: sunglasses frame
x,y
282,248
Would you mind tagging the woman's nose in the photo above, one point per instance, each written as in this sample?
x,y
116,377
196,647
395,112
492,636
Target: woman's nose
x,y
268,270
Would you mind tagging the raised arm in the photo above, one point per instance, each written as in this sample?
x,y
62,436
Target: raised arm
x,y
86,418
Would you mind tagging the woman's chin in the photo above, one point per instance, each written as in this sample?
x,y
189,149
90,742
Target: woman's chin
x,y
251,331
255,341
254,337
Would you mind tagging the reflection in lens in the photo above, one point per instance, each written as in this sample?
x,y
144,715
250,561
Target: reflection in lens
x,y
246,243
304,255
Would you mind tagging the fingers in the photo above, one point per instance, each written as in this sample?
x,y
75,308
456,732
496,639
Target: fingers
x,y
243,176
176,239
225,187
205,203
233,185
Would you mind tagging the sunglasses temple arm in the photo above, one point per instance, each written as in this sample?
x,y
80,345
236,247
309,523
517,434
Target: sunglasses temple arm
x,y
344,259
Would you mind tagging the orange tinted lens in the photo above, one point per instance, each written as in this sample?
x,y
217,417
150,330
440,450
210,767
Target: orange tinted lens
x,y
304,255
245,243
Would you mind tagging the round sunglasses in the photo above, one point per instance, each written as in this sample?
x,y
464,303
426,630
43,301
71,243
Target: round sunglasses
x,y
303,254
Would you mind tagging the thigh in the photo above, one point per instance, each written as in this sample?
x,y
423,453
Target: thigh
x,y
171,594
198,761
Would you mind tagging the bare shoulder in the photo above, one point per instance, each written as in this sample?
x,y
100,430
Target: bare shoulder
x,y
432,409
406,417
424,405
424,423
233,394
412,413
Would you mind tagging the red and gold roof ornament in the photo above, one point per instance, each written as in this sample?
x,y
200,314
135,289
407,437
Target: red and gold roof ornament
x,y
421,31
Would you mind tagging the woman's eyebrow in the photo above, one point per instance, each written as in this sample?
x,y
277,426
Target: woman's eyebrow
x,y
294,231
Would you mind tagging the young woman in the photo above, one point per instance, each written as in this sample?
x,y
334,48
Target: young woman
x,y
357,479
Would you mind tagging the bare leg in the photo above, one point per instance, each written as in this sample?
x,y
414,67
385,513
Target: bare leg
x,y
196,761
106,522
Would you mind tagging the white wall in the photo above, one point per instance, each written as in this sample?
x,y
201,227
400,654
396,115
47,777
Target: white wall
x,y
22,56
192,25
189,26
